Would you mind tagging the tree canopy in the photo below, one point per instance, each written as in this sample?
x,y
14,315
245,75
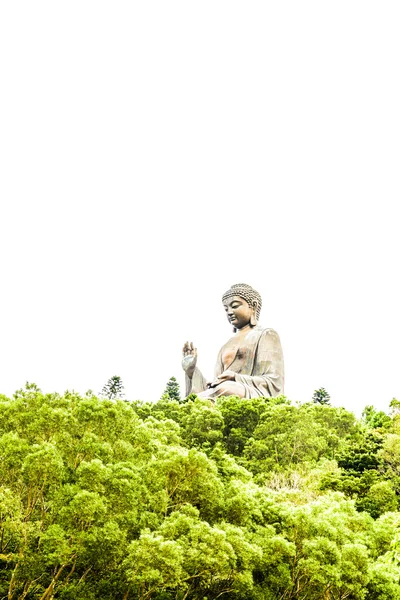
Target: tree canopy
x,y
246,499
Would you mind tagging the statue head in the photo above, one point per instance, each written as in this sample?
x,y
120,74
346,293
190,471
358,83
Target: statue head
x,y
250,296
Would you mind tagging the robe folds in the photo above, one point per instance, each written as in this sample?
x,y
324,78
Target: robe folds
x,y
257,362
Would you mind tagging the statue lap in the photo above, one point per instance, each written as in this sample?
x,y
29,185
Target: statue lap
x,y
227,388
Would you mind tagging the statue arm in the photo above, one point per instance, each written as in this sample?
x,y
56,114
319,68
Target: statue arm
x,y
195,384
199,383
267,378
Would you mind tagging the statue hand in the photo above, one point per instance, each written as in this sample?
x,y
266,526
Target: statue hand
x,y
225,376
189,359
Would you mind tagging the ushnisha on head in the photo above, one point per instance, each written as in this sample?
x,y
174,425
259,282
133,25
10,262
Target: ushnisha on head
x,y
250,296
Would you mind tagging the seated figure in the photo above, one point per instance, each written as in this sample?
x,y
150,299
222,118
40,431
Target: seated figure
x,y
250,364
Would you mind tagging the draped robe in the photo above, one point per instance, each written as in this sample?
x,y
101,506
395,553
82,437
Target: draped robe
x,y
257,361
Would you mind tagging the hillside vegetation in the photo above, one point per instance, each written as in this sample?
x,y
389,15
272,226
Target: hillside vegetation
x,y
247,500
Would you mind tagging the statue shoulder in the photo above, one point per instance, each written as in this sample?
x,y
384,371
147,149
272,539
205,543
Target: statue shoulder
x,y
269,334
266,330
269,346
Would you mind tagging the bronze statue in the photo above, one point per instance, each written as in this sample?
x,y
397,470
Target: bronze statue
x,y
250,364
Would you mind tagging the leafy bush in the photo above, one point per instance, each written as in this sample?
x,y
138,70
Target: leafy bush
x,y
248,500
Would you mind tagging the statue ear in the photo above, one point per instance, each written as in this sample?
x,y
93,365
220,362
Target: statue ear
x,y
253,318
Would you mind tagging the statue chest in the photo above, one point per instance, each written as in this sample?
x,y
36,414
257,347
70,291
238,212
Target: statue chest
x,y
234,355
238,354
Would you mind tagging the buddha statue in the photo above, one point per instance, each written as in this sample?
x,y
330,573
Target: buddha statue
x,y
250,364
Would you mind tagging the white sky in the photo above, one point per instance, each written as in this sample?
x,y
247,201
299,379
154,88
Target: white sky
x,y
154,153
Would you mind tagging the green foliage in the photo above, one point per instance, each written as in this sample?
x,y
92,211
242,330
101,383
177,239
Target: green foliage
x,y
241,417
361,453
172,390
379,499
113,388
375,419
202,424
321,396
395,406
246,500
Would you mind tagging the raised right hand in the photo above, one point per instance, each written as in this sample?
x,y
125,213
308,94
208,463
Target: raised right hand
x,y
189,359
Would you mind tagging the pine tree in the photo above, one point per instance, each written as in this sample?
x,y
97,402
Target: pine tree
x,y
172,390
321,396
113,388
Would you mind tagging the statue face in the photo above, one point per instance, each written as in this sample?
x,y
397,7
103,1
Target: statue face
x,y
238,311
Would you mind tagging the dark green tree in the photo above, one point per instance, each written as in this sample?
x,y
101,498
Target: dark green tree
x,y
321,396
172,390
113,388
